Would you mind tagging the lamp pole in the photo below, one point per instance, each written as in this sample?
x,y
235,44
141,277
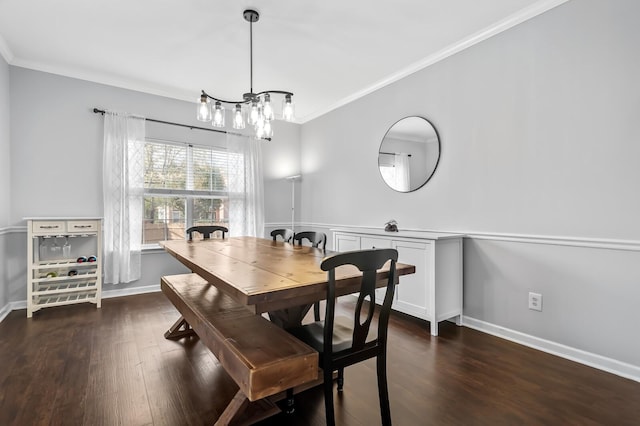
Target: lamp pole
x,y
293,180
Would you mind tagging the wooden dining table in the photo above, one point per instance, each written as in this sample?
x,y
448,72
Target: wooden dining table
x,y
238,279
279,278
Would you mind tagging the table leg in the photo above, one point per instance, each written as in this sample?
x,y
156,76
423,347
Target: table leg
x,y
290,317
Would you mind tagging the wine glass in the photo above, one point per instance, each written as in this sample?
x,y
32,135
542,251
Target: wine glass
x,y
66,248
43,249
54,250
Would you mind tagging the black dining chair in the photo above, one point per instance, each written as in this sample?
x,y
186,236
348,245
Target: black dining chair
x,y
317,239
286,234
206,231
344,342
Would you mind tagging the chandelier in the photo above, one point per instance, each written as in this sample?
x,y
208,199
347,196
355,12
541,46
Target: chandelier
x,y
255,109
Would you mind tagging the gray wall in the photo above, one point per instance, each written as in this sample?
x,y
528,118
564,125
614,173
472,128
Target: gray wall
x,y
539,138
57,141
537,127
5,188
281,159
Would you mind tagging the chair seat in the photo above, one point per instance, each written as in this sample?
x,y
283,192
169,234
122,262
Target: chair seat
x,y
313,334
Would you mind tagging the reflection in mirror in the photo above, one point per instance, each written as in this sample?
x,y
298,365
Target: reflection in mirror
x,y
409,154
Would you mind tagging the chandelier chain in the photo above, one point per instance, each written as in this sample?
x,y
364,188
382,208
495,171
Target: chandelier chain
x,y
251,55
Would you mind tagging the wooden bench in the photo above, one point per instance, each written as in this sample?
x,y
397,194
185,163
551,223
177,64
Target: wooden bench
x,y
263,359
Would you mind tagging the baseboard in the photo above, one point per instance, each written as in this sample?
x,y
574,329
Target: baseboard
x,y
613,366
12,306
22,304
4,311
131,291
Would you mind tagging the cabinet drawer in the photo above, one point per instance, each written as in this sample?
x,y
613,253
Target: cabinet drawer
x,y
48,227
367,243
82,226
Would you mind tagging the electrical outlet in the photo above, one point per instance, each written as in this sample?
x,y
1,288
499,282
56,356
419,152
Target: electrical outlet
x,y
535,301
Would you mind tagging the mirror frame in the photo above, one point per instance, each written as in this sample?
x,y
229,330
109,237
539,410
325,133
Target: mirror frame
x,y
435,167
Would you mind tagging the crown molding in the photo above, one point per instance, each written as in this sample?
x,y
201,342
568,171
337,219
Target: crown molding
x,y
467,42
105,79
141,86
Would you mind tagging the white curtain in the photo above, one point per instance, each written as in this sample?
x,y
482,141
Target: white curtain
x,y
246,188
396,171
123,189
403,170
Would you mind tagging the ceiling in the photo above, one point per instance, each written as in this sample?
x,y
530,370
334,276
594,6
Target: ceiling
x,y
326,52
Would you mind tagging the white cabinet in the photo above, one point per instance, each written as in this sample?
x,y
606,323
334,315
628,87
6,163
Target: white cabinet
x,y
434,292
64,262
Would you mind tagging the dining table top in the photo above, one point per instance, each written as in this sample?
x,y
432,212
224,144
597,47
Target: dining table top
x,y
267,275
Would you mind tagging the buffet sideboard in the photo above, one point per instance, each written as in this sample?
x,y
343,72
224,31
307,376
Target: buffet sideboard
x,y
434,292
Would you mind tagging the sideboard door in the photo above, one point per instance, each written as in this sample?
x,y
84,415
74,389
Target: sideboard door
x,y
346,242
413,294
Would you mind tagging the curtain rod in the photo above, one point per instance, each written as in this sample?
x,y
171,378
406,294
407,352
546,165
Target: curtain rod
x,y
100,111
393,153
188,126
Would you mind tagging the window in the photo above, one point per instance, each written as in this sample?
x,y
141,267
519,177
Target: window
x,y
184,185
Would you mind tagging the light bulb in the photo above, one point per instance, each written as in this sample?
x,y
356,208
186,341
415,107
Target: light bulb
x,y
259,132
288,109
254,112
260,122
238,119
218,115
267,109
203,112
268,130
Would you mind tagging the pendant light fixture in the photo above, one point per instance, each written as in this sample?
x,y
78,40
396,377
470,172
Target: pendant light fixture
x,y
255,109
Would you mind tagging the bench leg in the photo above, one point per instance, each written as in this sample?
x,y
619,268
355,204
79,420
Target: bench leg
x,y
290,404
241,411
180,329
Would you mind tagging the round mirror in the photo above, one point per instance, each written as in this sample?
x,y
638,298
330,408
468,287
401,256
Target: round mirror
x,y
409,154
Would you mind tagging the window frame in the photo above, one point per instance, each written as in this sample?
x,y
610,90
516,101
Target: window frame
x,y
188,194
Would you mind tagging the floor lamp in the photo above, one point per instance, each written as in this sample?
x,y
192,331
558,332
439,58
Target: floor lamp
x,y
293,180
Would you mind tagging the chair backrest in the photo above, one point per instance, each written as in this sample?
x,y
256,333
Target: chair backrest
x,y
286,234
368,262
206,231
317,239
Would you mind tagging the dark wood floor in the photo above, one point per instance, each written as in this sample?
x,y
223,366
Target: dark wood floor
x,y
78,365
